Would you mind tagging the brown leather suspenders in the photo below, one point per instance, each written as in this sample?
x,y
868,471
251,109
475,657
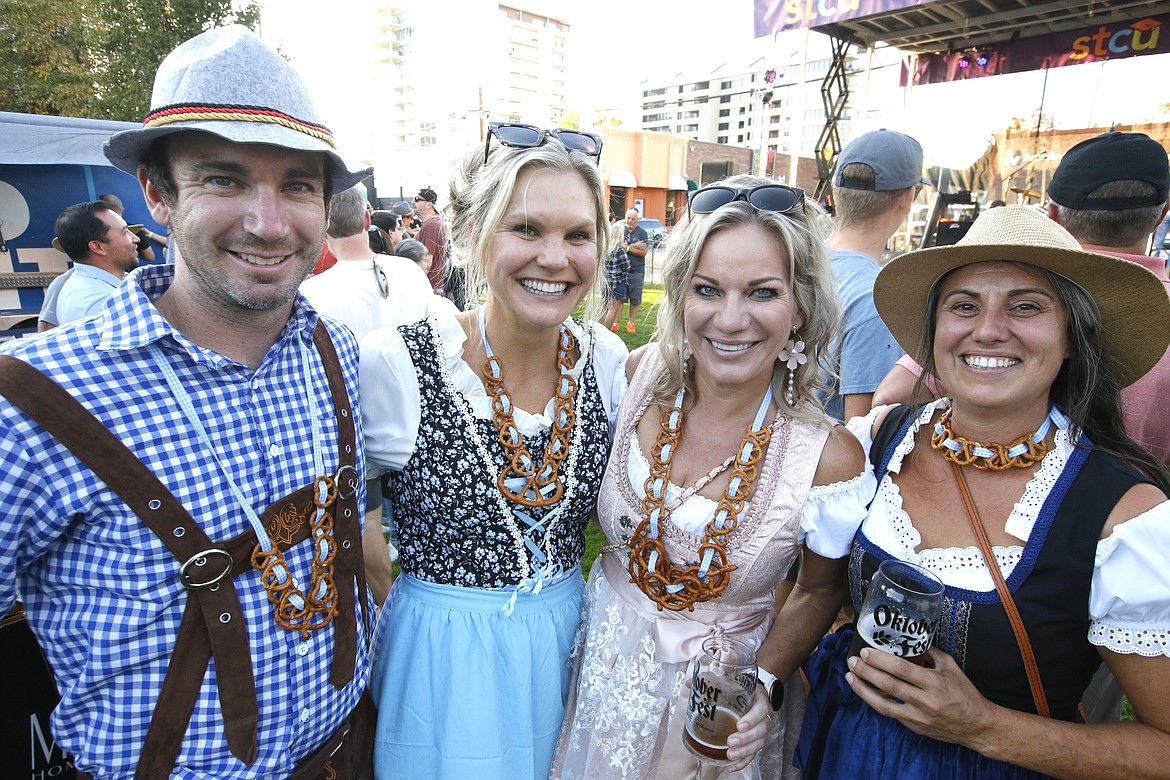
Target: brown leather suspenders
x,y
213,624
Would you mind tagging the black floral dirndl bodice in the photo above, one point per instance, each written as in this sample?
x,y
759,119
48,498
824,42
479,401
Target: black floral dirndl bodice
x,y
446,502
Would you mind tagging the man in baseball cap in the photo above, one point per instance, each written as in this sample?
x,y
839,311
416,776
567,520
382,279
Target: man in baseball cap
x,y
1110,192
433,234
877,177
210,518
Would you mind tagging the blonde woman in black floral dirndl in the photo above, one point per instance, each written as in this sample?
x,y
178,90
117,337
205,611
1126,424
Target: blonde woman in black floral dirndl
x,y
494,427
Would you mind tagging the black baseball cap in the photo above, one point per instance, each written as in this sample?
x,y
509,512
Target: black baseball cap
x,y
427,194
1113,156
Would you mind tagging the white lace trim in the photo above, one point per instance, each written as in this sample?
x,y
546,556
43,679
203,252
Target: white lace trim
x,y
1019,523
1127,640
961,559
851,485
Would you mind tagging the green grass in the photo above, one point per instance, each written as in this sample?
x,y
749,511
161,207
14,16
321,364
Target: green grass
x,y
647,318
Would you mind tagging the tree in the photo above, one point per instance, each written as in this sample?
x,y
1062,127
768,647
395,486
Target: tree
x,y
94,58
135,35
45,66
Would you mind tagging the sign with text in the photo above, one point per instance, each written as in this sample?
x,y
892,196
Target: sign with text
x,y
27,749
773,16
1132,38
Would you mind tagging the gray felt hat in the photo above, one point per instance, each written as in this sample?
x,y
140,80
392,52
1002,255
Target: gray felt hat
x,y
227,82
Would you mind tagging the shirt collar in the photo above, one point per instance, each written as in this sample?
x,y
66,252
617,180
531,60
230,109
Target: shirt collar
x,y
132,321
93,272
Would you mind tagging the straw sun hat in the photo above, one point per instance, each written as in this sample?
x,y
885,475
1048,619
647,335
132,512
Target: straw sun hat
x,y
1134,305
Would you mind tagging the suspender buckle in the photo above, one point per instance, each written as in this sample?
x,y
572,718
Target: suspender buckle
x,y
191,573
346,489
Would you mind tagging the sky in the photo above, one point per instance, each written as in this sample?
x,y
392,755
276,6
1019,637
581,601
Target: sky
x,y
621,43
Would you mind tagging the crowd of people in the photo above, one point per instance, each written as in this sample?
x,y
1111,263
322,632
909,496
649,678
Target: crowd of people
x,y
201,455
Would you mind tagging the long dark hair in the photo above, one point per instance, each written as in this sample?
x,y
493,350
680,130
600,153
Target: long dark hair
x,y
1086,388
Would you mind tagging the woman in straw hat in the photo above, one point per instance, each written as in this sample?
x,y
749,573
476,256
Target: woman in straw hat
x,y
1033,338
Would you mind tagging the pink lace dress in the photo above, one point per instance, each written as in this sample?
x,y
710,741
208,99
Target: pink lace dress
x,y
630,660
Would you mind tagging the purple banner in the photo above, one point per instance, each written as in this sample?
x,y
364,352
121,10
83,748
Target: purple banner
x,y
1133,38
773,16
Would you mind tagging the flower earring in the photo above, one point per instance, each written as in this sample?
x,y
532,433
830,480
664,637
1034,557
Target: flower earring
x,y
793,356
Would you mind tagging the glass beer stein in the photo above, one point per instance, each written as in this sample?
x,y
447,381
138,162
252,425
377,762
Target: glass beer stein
x,y
900,611
722,684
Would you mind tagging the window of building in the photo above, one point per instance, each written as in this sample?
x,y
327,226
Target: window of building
x,y
722,126
722,139
653,92
774,134
725,112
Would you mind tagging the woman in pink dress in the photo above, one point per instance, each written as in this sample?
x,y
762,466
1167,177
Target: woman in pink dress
x,y
724,471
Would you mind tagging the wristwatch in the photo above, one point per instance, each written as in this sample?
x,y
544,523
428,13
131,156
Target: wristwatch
x,y
773,686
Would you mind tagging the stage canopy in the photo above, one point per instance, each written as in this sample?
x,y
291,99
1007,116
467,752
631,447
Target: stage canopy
x,y
959,39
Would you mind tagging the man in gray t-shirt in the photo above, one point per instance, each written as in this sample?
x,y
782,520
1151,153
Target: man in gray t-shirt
x,y
878,175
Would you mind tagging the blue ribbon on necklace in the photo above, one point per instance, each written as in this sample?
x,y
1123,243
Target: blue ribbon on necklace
x,y
1055,417
732,488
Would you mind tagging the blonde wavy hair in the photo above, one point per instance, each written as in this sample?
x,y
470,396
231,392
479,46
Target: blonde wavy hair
x,y
800,236
480,194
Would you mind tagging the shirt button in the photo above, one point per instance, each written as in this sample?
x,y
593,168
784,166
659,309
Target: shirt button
x,y
303,649
305,716
275,451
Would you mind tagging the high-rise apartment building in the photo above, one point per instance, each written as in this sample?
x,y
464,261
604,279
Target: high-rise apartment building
x,y
767,100
410,85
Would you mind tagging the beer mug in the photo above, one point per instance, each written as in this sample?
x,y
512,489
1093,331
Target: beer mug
x,y
900,611
722,684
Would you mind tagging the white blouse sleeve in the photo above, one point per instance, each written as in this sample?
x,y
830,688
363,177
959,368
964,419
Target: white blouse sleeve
x,y
862,427
1129,602
609,365
833,513
389,392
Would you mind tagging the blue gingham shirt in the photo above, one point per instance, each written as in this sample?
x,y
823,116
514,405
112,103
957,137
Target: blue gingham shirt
x,y
101,590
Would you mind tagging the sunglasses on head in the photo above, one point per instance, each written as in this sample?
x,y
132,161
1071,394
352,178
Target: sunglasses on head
x,y
767,197
528,137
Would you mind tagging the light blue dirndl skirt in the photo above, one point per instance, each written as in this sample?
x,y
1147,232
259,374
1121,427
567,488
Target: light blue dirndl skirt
x,y
466,692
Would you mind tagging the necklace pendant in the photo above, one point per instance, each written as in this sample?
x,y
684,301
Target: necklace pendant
x,y
533,494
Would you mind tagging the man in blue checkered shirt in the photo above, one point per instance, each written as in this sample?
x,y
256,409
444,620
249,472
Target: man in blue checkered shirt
x,y
212,373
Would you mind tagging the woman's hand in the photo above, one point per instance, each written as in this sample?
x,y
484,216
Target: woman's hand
x,y
937,701
750,732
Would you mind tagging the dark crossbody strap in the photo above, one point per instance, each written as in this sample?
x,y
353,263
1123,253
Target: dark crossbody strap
x,y
207,568
1005,595
893,425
